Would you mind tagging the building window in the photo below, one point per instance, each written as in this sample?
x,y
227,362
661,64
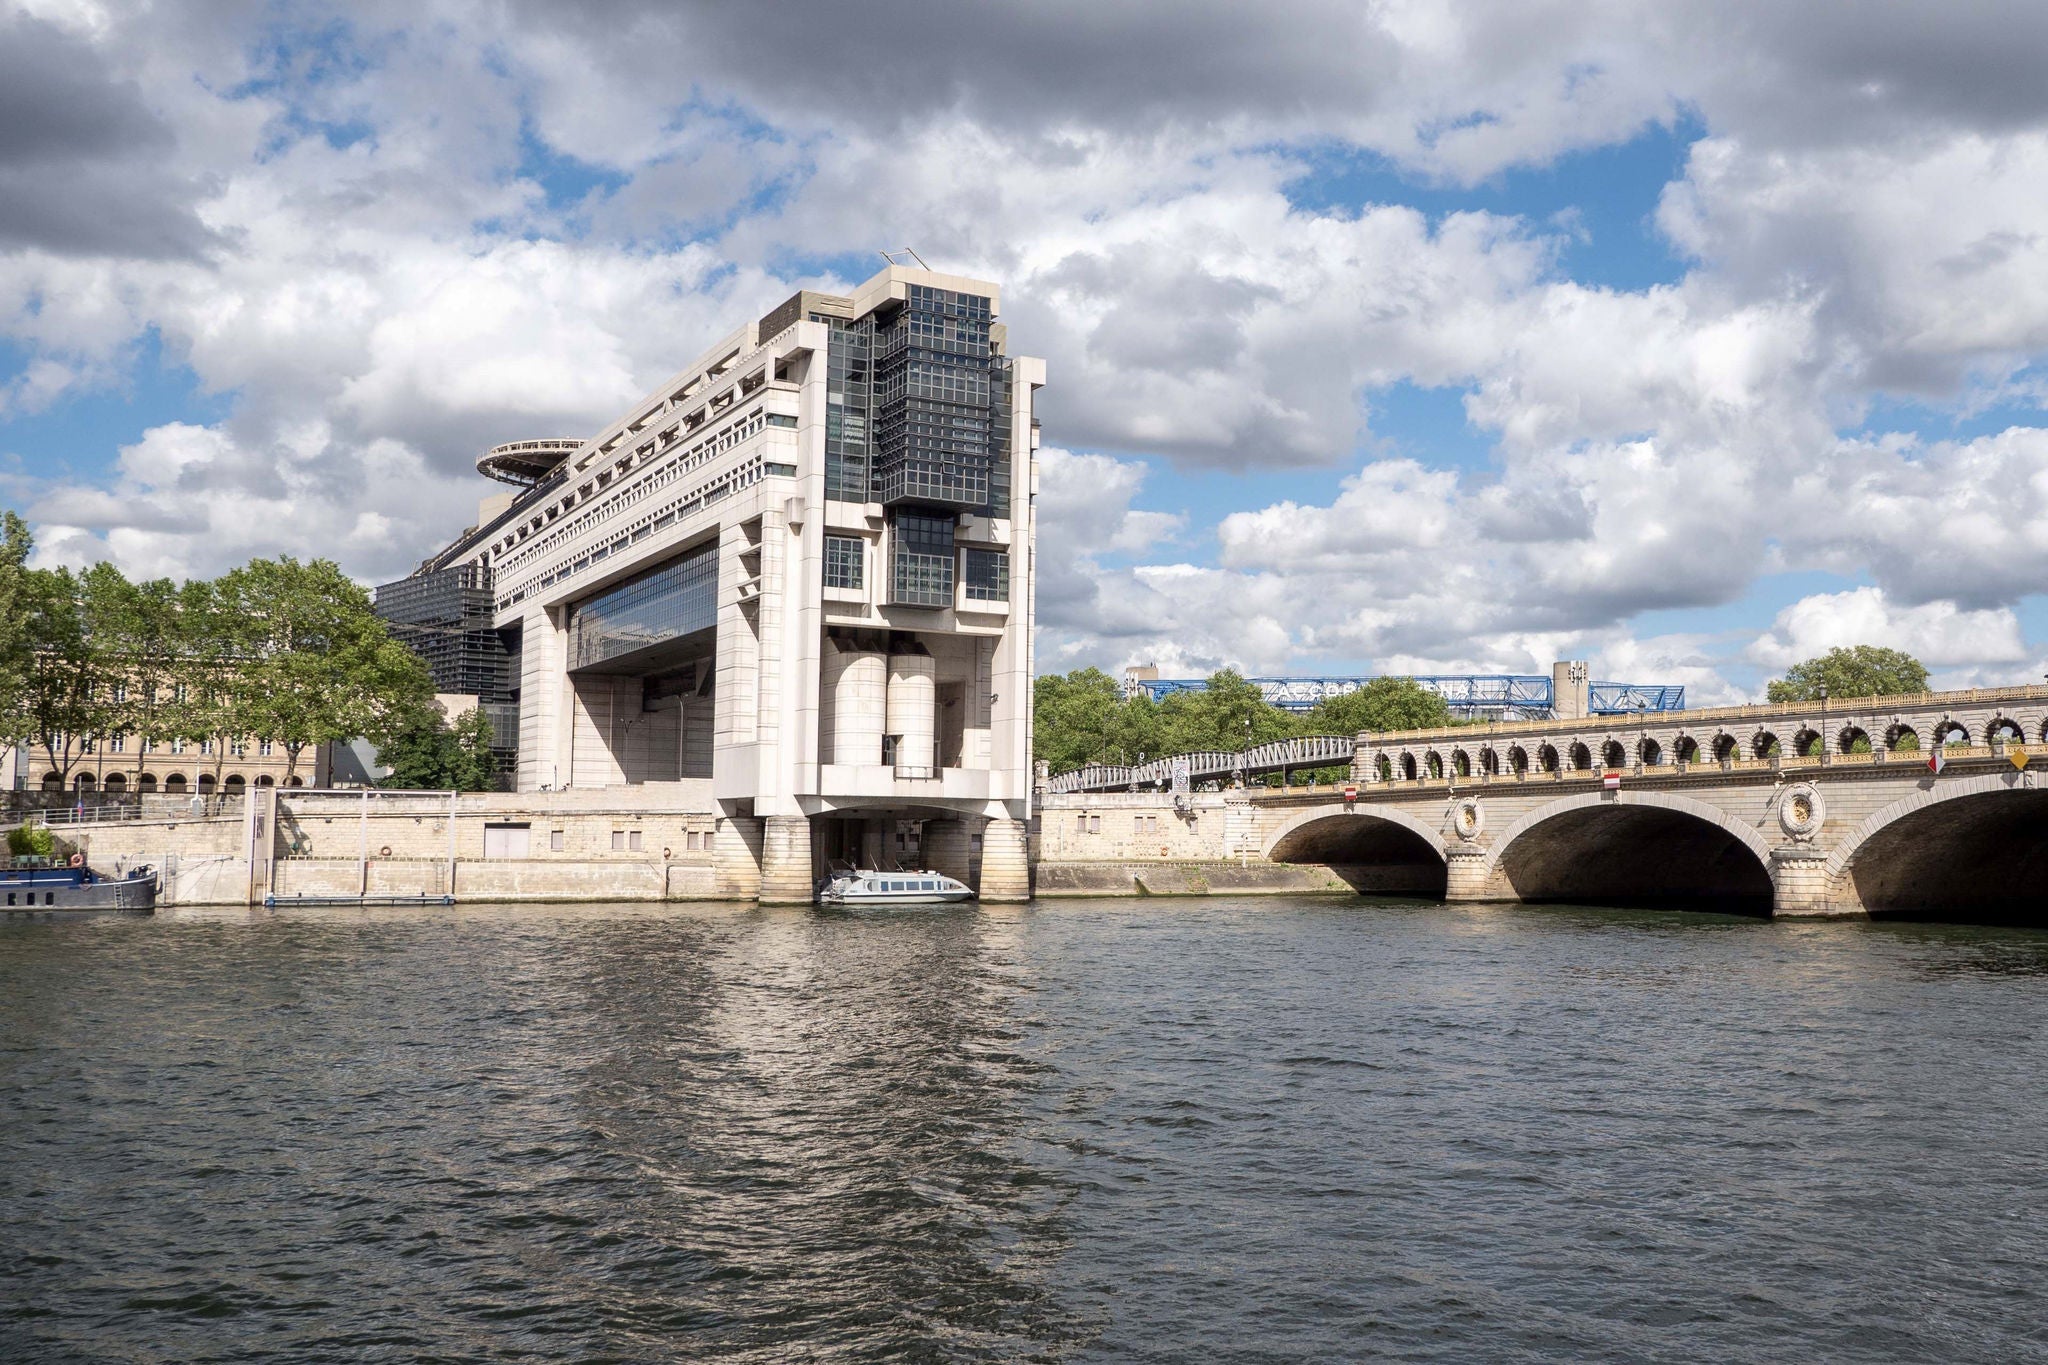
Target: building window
x,y
556,841
1080,824
618,841
239,748
118,744
843,557
177,746
205,746
263,748
923,570
633,841
988,575
1095,824
781,419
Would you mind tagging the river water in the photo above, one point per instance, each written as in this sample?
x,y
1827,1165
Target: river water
x,y
1118,1131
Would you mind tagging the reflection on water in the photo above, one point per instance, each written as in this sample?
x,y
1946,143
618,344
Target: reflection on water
x,y
1116,1131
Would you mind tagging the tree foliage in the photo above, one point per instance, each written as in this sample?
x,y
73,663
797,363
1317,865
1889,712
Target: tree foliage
x,y
1853,671
277,650
424,751
1082,717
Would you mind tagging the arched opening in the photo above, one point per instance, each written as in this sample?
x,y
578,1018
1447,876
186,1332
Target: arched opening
x,y
84,782
1518,760
1950,734
1853,740
1375,857
1613,755
1460,763
1765,745
1382,767
1806,743
2003,729
265,780
146,785
294,782
206,784
235,784
1724,748
1638,856
1653,753
174,785
1408,767
1979,859
1582,758
1546,758
1902,739
53,782
1688,749
116,784
1433,764
1489,762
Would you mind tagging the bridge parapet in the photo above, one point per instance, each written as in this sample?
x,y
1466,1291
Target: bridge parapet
x,y
1732,740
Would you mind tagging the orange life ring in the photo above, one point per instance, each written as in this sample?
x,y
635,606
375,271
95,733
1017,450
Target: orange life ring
x,y
78,860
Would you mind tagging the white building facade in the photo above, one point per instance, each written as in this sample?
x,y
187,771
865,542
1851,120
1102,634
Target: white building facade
x,y
794,583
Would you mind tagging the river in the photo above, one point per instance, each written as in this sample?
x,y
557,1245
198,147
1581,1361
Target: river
x,y
1117,1131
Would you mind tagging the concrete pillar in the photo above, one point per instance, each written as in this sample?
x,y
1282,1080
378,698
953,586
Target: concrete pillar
x,y
786,860
1799,883
913,709
854,688
1465,875
1005,865
874,844
736,854
948,848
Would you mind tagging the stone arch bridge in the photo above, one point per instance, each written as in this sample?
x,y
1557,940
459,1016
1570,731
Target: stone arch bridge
x,y
1802,809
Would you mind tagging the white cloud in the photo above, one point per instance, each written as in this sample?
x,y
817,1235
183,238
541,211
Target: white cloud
x,y
1939,634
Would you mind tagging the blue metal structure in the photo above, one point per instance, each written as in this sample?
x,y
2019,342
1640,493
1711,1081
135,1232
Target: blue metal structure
x,y
1509,696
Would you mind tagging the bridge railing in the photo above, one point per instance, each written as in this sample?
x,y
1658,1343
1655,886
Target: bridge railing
x,y
1306,751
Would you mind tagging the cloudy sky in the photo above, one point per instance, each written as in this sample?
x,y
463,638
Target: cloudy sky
x,y
1383,335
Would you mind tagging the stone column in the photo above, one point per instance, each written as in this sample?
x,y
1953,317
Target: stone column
x,y
736,855
947,848
1465,876
1005,865
1799,882
786,860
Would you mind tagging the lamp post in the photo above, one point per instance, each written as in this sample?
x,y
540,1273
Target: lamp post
x,y
1825,746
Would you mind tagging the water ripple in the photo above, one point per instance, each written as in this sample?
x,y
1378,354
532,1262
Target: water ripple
x,y
1142,1131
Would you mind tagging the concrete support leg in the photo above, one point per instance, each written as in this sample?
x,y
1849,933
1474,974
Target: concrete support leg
x,y
736,853
1799,883
946,848
1005,867
786,860
1465,875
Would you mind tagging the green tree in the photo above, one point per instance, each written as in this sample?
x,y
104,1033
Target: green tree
x,y
426,753
322,664
142,631
67,684
15,544
1381,705
1074,717
1854,671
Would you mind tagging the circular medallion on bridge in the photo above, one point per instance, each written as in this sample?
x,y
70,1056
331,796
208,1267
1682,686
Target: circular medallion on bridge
x,y
1468,818
1802,811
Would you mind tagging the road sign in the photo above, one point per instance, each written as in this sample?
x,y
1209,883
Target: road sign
x,y
2018,754
1611,781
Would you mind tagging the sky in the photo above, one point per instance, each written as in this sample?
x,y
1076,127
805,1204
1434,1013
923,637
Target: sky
x,y
1382,336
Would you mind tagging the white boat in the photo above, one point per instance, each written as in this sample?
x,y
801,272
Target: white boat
x,y
861,886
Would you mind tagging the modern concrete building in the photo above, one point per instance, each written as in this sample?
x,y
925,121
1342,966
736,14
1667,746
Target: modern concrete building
x,y
790,587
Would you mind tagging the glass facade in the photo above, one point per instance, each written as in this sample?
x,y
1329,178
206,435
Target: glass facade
x,y
677,599
846,407
933,432
921,571
988,575
843,557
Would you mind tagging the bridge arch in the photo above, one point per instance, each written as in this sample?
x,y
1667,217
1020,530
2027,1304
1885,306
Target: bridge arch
x,y
1636,849
1378,850
1973,848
